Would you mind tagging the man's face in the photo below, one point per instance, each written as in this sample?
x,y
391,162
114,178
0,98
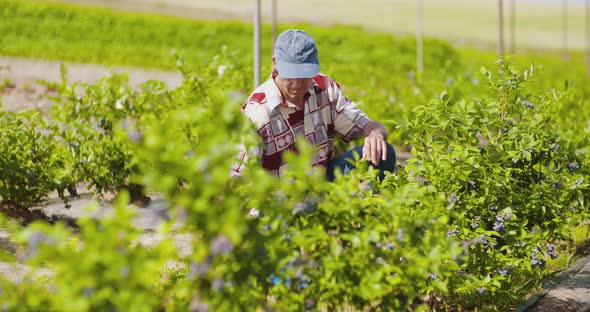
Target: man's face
x,y
293,89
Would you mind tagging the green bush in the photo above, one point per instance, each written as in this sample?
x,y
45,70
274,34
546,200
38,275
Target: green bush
x,y
472,222
513,182
32,160
102,267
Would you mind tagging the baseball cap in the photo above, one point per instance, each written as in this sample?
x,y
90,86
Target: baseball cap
x,y
296,55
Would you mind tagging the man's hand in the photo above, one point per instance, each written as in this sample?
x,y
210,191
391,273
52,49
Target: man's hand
x,y
375,148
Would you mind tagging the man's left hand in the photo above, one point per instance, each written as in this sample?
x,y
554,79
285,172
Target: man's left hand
x,y
375,148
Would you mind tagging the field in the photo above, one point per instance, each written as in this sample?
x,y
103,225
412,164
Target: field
x,y
461,22
493,201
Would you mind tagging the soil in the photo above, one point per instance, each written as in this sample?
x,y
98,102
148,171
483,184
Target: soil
x,y
20,87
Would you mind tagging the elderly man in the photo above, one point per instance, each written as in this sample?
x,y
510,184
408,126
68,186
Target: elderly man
x,y
297,101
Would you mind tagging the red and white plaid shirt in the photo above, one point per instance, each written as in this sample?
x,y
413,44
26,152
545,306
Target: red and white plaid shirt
x,y
327,112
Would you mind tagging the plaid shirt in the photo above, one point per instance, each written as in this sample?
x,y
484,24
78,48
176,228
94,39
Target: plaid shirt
x,y
327,112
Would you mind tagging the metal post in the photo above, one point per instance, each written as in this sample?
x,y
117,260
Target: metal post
x,y
274,25
419,35
500,31
588,38
564,28
257,44
511,47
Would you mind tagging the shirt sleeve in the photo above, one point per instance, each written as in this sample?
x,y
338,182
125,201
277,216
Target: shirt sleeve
x,y
349,119
266,153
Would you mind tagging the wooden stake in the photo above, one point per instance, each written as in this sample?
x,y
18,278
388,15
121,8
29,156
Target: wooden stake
x,y
500,31
419,38
588,38
512,46
274,25
564,28
257,44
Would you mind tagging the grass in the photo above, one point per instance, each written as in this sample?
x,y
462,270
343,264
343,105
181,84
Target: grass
x,y
472,22
40,29
97,35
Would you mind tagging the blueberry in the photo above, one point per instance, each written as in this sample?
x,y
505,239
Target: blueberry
x,y
449,82
304,283
528,104
484,241
124,271
134,135
88,292
536,262
217,284
401,235
452,232
422,180
221,245
557,184
499,227
551,251
451,199
503,272
573,166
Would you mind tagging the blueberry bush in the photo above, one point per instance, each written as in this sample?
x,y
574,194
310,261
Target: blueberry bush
x,y
479,216
514,180
32,162
473,221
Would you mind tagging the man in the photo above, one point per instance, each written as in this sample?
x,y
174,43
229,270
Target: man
x,y
297,101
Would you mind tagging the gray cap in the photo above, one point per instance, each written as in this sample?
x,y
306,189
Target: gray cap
x,y
296,55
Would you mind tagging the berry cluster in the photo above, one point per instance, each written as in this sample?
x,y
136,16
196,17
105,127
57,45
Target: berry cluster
x,y
453,232
528,104
499,224
503,271
573,166
486,243
557,184
475,223
386,245
551,251
535,261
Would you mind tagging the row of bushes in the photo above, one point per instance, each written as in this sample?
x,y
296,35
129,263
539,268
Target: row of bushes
x,y
472,222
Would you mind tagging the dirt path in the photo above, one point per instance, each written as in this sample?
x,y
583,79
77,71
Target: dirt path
x,y
19,88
